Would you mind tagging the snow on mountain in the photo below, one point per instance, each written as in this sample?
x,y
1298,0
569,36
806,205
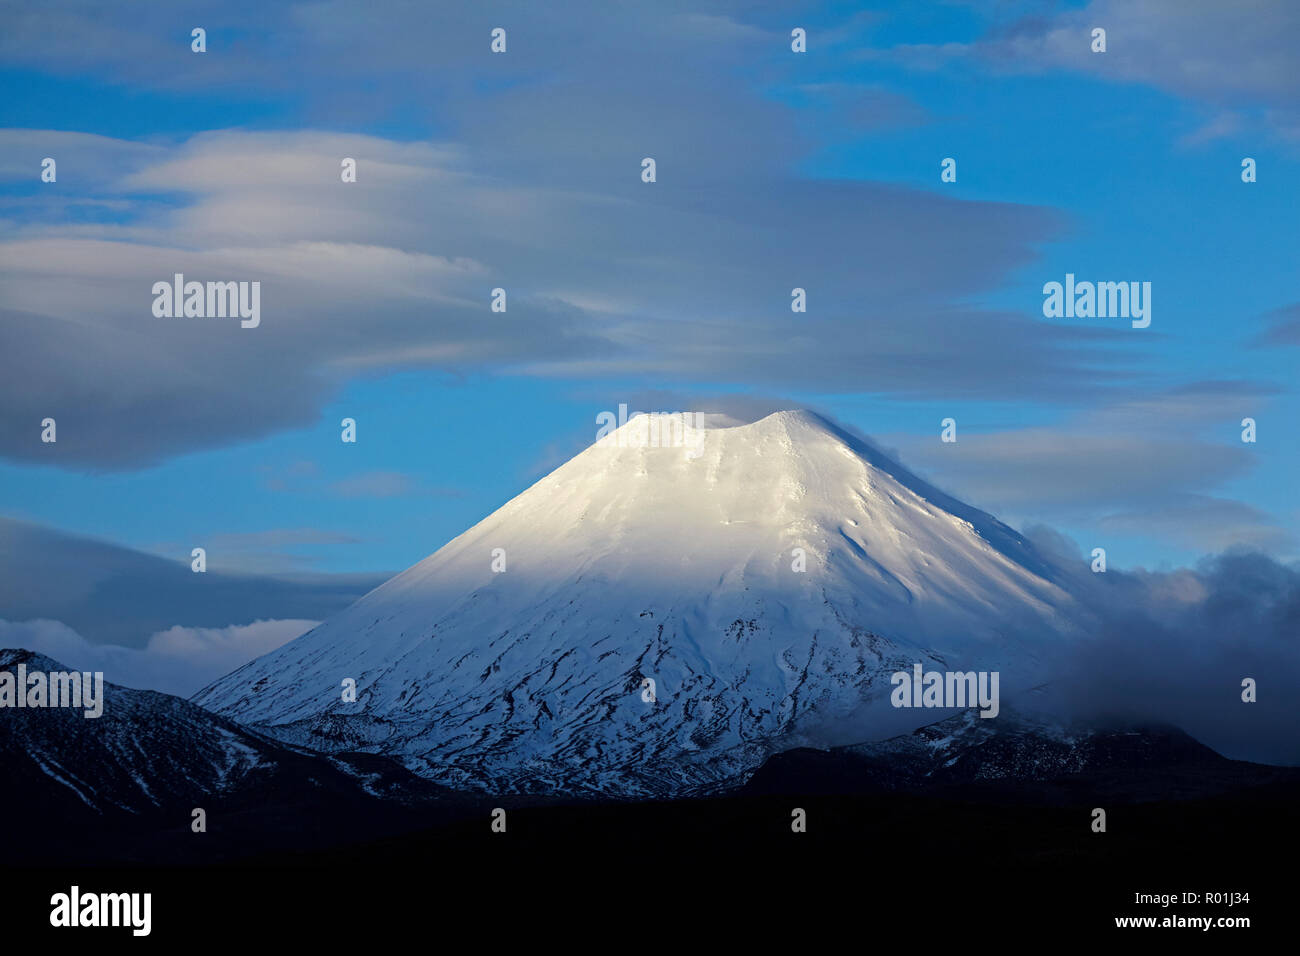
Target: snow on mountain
x,y
150,753
636,561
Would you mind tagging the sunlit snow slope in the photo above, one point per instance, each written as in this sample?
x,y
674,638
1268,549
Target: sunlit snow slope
x,y
674,564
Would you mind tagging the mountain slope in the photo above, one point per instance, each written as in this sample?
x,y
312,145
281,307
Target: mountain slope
x,y
1021,758
151,754
634,561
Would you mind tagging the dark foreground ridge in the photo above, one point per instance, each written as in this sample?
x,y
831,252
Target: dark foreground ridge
x,y
122,788
888,863
984,825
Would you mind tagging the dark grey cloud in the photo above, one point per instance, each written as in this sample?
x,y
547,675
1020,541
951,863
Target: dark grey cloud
x,y
1174,647
111,594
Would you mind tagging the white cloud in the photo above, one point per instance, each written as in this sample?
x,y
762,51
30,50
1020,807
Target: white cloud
x,y
395,271
179,660
1232,58
1143,466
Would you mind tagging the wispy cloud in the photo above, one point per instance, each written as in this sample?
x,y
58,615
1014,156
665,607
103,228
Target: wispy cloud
x,y
1204,523
382,276
389,484
1236,60
1153,465
178,660
1282,327
112,594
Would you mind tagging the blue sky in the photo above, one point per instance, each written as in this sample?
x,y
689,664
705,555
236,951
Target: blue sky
x,y
521,170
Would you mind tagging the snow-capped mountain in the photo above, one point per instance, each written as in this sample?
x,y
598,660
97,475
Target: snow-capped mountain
x,y
767,577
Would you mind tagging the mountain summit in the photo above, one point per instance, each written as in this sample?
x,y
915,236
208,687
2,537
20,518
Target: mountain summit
x,y
767,578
